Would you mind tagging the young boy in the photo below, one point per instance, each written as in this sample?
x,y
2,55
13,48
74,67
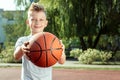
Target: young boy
x,y
37,22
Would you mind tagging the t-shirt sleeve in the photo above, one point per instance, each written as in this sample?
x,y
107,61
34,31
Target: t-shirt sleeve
x,y
19,42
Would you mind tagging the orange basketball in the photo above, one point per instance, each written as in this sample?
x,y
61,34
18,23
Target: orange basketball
x,y
45,49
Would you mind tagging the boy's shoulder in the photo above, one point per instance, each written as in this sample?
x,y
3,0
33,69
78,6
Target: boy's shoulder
x,y
23,38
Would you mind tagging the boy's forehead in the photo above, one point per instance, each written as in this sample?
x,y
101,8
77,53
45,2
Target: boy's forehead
x,y
36,13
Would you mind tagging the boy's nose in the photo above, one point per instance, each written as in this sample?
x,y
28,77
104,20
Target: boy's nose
x,y
37,22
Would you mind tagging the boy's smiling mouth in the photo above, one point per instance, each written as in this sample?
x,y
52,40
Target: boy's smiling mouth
x,y
37,26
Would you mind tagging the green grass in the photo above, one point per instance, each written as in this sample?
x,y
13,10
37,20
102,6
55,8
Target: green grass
x,y
86,68
106,63
93,66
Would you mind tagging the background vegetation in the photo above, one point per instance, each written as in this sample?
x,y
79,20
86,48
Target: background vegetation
x,y
83,24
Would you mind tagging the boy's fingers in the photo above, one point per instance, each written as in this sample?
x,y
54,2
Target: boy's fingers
x,y
25,51
26,43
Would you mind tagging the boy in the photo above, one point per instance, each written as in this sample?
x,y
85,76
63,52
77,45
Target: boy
x,y
37,22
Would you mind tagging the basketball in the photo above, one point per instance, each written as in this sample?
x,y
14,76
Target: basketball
x,y
45,49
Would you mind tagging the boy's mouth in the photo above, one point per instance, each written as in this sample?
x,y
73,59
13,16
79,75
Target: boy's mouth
x,y
37,26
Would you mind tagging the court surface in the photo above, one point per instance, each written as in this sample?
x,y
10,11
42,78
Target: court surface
x,y
13,73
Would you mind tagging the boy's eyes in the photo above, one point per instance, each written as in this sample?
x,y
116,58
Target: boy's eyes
x,y
32,19
37,20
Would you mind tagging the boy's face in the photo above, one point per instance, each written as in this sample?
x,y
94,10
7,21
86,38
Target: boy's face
x,y
37,21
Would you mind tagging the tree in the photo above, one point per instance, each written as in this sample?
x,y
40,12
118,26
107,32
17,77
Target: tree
x,y
13,31
86,19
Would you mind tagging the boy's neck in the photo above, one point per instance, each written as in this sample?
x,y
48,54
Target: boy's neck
x,y
36,33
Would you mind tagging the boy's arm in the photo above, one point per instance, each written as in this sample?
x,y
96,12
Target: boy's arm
x,y
18,53
21,50
63,57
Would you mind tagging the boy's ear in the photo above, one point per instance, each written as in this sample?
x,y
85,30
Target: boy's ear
x,y
27,22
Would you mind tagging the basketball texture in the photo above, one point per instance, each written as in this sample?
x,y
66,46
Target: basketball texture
x,y
45,49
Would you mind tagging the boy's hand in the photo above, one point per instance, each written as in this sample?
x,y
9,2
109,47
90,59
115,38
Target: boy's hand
x,y
63,57
25,49
63,47
21,50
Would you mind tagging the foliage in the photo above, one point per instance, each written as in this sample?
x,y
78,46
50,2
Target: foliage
x,y
72,42
116,57
9,15
6,56
16,29
105,56
90,55
76,52
73,18
86,19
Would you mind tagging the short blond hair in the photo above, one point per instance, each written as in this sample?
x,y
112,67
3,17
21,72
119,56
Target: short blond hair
x,y
36,7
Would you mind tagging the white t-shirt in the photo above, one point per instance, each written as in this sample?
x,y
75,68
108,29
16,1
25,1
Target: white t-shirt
x,y
31,71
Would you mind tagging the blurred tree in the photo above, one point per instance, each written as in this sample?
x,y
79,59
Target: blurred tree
x,y
13,31
86,19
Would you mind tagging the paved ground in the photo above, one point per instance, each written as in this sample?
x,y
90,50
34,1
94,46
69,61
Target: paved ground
x,y
8,72
13,73
70,74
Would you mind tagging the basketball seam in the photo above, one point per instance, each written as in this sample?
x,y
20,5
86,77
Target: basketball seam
x,y
39,51
52,48
46,50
